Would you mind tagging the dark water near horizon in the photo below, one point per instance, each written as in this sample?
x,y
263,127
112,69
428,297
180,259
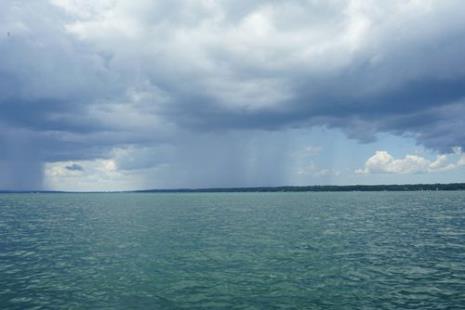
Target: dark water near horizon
x,y
384,250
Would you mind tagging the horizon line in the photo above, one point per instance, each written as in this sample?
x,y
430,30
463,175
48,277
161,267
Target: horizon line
x,y
282,188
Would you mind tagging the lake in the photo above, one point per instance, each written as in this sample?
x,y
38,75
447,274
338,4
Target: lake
x,y
353,250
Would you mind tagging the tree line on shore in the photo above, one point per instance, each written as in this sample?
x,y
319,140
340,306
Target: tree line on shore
x,y
325,188
311,188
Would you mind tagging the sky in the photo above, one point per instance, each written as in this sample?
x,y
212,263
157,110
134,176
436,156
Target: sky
x,y
137,94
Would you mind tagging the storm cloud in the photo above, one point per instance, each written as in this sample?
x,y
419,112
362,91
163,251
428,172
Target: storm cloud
x,y
194,84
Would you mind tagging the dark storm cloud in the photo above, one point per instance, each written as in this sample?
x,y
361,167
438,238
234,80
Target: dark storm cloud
x,y
74,167
79,79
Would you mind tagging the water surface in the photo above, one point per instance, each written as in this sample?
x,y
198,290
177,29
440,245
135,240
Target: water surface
x,y
384,250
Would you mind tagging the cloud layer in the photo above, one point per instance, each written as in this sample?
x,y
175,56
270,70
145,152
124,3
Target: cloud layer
x,y
81,79
383,162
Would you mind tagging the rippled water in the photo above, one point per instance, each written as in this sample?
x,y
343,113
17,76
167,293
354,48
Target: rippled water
x,y
390,250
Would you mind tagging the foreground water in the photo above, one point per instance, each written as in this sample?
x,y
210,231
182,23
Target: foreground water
x,y
388,250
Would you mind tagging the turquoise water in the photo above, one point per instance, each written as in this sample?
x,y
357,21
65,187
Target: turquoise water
x,y
386,250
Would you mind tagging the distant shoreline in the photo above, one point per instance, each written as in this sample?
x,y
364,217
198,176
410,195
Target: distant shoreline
x,y
271,189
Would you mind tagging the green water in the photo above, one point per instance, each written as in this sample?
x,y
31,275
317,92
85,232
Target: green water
x,y
386,250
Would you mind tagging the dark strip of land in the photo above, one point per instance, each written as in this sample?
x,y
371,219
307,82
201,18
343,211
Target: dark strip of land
x,y
313,188
318,188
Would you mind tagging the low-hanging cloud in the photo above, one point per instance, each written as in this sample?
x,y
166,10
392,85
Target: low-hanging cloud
x,y
81,78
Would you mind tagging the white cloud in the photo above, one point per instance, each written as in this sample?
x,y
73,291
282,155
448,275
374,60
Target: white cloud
x,y
249,61
93,175
383,162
